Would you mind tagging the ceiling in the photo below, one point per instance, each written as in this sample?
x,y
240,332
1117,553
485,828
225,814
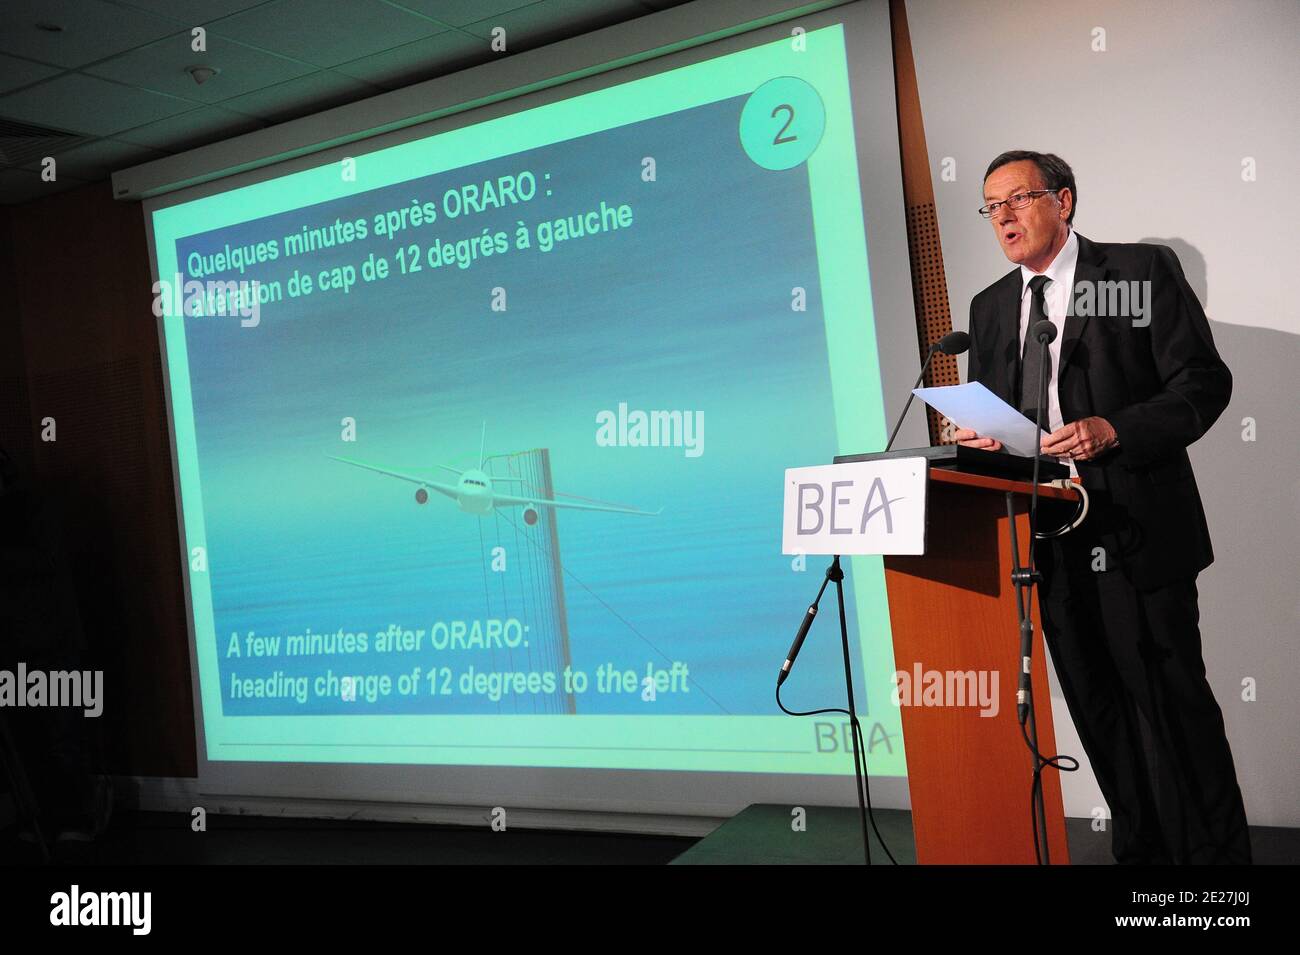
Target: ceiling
x,y
101,85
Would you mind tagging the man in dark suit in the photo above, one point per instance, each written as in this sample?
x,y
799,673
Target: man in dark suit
x,y
1127,393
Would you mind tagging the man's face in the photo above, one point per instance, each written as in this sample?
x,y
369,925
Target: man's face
x,y
1033,235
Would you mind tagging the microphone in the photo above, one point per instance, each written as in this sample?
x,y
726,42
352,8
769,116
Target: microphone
x,y
954,343
1043,331
798,642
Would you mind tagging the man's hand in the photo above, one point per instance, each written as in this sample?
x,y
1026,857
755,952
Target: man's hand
x,y
1081,440
972,440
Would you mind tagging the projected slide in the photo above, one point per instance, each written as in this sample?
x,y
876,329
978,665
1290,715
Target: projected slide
x,y
481,437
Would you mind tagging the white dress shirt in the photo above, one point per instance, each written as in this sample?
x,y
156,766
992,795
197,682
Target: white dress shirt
x,y
1056,299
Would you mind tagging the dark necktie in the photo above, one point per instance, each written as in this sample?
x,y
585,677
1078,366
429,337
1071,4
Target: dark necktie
x,y
1033,372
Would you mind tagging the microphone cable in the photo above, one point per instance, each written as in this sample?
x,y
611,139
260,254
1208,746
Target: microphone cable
x,y
1080,511
860,750
1041,762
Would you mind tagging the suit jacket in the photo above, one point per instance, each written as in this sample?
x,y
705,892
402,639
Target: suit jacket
x,y
1157,379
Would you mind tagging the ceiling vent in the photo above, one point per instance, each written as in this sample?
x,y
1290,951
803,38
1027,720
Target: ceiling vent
x,y
22,144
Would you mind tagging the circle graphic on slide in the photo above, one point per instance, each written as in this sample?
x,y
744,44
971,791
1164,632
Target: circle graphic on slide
x,y
782,123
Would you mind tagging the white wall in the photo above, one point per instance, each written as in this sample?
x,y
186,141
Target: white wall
x,y
1157,127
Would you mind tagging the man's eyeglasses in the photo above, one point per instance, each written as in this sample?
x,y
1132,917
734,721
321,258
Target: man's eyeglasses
x,y
1018,201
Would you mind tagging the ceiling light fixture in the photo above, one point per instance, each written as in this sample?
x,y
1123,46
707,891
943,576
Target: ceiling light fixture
x,y
201,74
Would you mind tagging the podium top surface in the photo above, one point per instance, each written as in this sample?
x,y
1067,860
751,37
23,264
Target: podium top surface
x,y
958,457
973,467
1045,491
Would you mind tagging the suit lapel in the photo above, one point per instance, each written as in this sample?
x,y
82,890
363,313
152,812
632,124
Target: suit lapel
x,y
1088,272
1006,349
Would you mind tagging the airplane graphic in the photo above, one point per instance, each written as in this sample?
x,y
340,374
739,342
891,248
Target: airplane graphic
x,y
474,491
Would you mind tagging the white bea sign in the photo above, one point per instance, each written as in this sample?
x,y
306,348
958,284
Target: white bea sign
x,y
866,507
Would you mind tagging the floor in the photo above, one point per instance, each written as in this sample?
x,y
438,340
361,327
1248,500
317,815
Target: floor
x,y
166,839
759,835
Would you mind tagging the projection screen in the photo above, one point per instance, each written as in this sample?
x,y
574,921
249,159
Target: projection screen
x,y
480,425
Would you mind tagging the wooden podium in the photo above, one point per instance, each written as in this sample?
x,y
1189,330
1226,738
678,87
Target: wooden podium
x,y
954,609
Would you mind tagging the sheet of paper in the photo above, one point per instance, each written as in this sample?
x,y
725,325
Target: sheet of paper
x,y
973,406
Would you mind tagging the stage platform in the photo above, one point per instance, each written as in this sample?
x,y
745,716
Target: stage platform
x,y
761,835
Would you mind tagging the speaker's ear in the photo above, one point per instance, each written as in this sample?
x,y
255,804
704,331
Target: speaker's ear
x,y
1066,209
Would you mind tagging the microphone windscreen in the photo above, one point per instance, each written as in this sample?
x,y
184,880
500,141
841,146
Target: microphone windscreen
x,y
954,343
1044,330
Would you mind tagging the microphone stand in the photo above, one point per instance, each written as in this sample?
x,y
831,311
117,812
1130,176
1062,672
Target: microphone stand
x,y
859,744
1024,578
952,344
934,350
836,574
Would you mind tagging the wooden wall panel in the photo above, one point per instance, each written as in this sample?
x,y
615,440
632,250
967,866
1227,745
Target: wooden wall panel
x,y
87,355
929,283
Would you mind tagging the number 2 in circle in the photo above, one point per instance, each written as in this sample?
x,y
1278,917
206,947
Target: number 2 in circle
x,y
782,122
780,133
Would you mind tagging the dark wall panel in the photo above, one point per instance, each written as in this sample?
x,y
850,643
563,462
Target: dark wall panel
x,y
79,344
